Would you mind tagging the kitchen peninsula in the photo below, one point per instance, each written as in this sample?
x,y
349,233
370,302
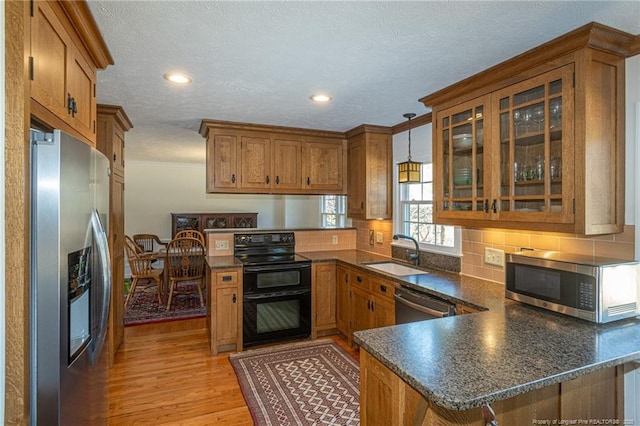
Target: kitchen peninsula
x,y
528,364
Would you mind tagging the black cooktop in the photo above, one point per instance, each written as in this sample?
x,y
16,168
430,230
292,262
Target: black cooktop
x,y
271,259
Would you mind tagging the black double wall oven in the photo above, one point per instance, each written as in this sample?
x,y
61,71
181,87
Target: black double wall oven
x,y
276,288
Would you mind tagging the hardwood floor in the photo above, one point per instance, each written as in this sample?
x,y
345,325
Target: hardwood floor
x,y
164,375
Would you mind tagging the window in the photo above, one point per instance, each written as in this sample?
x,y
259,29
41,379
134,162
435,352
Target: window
x,y
416,216
332,211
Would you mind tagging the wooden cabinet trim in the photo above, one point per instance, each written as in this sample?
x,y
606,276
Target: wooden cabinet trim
x,y
207,125
592,35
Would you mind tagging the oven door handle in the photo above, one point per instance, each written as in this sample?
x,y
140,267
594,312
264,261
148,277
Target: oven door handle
x,y
423,309
279,267
262,296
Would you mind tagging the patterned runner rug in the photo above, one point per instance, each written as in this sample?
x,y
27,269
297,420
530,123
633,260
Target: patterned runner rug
x,y
305,383
143,308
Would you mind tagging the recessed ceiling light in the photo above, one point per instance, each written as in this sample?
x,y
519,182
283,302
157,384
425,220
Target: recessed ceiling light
x,y
320,98
177,78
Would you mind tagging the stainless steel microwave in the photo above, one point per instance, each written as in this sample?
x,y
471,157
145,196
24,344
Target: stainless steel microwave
x,y
595,289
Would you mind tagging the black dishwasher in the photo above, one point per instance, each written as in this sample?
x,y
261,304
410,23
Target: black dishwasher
x,y
414,306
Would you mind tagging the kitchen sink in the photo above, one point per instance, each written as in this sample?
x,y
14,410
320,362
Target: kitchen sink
x,y
395,268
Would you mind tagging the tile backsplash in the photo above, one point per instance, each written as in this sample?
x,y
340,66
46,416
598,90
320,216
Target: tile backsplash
x,y
474,241
323,239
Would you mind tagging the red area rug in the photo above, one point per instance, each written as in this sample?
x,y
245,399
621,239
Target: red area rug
x,y
306,383
143,308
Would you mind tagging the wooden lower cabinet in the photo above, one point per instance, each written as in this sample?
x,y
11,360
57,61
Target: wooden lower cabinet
x,y
323,294
343,309
385,399
364,301
224,310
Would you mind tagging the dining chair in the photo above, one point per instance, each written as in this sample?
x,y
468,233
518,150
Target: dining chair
x,y
185,263
141,271
149,243
191,233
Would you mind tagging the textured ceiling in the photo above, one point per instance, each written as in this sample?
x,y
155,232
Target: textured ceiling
x,y
259,61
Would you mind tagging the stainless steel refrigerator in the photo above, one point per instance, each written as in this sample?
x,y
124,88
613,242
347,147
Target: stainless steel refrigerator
x,y
70,281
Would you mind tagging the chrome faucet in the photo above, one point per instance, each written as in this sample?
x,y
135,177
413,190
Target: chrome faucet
x,y
415,257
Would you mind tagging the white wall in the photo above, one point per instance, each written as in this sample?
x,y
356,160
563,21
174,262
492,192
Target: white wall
x,y
155,190
632,153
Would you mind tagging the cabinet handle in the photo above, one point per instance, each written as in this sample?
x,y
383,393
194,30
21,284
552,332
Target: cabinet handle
x,y
234,298
368,305
489,416
383,288
359,278
362,204
494,206
486,205
69,103
346,278
75,108
114,157
233,178
308,180
267,180
373,306
277,180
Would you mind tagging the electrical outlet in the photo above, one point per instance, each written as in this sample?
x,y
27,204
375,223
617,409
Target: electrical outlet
x,y
494,257
222,244
334,239
379,238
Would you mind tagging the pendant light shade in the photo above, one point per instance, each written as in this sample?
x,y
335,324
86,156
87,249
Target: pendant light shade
x,y
409,171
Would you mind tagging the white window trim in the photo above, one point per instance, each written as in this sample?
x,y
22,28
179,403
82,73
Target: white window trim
x,y
341,217
398,220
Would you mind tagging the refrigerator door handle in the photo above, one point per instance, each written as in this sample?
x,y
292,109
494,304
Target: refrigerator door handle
x,y
102,244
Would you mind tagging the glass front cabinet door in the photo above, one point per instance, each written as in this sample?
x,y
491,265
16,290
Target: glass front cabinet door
x,y
463,173
534,158
509,155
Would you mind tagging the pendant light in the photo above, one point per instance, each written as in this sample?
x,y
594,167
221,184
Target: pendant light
x,y
409,171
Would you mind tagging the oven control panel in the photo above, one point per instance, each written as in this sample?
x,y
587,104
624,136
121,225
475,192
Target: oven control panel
x,y
264,239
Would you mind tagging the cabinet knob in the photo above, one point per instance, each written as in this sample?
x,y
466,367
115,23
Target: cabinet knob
x,y
114,157
373,306
235,298
486,205
308,180
368,305
277,180
359,278
267,180
383,288
494,206
233,178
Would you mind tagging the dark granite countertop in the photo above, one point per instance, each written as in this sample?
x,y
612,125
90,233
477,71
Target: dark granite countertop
x,y
223,262
466,361
508,349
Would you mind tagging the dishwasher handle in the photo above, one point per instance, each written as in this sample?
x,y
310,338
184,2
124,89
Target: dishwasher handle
x,y
433,312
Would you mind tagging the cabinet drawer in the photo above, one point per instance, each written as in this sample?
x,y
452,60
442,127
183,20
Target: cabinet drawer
x,y
382,288
226,278
360,280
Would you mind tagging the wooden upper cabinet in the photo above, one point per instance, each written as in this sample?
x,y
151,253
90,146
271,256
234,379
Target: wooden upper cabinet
x,y
537,142
370,173
50,50
63,63
112,124
222,162
250,158
287,164
255,158
325,166
82,88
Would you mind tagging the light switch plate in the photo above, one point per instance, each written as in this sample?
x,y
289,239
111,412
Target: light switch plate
x,y
494,257
334,239
379,238
222,245
371,237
